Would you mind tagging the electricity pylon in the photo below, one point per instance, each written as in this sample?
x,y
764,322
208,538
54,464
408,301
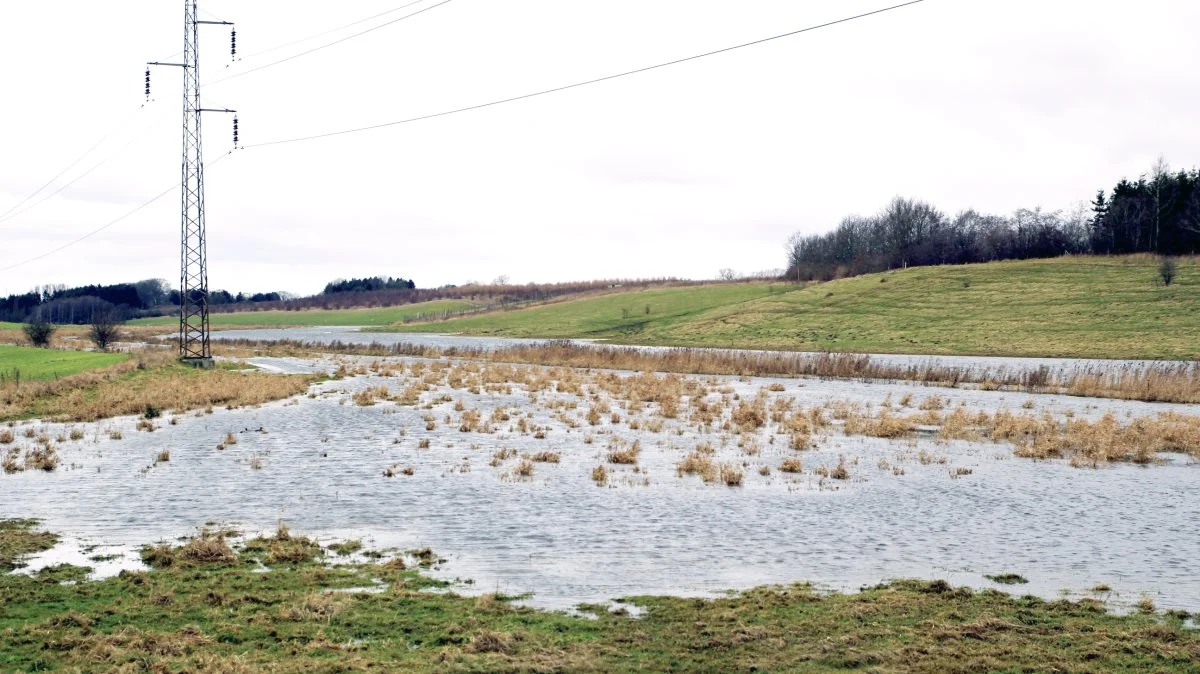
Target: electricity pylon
x,y
194,345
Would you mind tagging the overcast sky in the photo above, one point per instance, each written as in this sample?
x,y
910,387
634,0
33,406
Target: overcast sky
x,y
992,104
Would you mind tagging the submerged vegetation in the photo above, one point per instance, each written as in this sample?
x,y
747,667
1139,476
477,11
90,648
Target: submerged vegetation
x,y
213,608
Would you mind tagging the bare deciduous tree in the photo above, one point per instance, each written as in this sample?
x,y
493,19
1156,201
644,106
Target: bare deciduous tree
x,y
105,329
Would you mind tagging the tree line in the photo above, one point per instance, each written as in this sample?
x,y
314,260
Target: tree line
x,y
371,284
82,305
1157,213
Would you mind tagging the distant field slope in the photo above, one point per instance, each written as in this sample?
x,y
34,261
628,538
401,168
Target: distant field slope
x,y
371,317
35,364
1095,307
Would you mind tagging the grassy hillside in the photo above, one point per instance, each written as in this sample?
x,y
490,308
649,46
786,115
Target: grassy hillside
x,y
35,364
1082,306
373,317
629,315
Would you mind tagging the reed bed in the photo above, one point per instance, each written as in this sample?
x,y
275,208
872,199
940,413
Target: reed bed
x,y
1177,382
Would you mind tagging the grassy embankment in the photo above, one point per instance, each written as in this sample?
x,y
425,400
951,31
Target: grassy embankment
x,y
32,364
209,608
1073,307
153,381
320,317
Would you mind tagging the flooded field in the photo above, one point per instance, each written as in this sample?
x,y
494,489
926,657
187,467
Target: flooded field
x,y
585,486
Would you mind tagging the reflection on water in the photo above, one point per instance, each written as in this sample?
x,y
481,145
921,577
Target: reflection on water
x,y
567,540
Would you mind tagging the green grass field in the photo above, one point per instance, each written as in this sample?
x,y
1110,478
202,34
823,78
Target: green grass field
x,y
370,317
39,364
627,315
1079,307
9,326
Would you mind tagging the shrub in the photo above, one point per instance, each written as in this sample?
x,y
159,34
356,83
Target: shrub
x,y
1167,270
39,332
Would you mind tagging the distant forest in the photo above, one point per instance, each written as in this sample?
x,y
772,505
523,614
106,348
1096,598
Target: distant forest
x,y
81,305
358,285
1159,213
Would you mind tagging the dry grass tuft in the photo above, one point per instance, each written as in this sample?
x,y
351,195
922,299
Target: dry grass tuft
x,y
491,642
884,426
368,397
43,457
731,475
625,455
600,475
792,466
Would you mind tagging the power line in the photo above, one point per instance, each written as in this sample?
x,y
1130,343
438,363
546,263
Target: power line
x,y
333,30
120,151
330,44
587,82
306,39
109,224
110,134
469,108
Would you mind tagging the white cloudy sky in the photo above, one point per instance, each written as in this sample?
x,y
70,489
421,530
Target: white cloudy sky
x,y
995,104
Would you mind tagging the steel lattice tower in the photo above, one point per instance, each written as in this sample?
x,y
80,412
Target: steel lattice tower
x,y
193,263
193,258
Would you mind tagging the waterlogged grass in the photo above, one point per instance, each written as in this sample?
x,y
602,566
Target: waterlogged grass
x,y
319,317
152,382
640,316
41,364
1095,307
219,612
19,539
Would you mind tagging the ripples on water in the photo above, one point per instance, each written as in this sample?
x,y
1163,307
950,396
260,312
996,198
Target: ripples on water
x,y
567,540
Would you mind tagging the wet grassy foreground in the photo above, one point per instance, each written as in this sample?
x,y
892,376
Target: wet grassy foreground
x,y
275,604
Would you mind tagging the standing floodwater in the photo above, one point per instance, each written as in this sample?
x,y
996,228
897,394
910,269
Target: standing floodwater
x,y
318,463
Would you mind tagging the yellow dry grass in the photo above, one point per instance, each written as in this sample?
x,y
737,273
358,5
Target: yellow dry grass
x,y
151,381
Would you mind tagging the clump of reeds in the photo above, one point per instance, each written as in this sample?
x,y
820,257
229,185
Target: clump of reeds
x,y
750,415
546,457
423,443
369,396
396,469
163,456
6,436
502,455
203,550
840,471
731,475
885,425
792,466
43,457
470,421
230,440
11,463
600,475
524,468
625,455
698,463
